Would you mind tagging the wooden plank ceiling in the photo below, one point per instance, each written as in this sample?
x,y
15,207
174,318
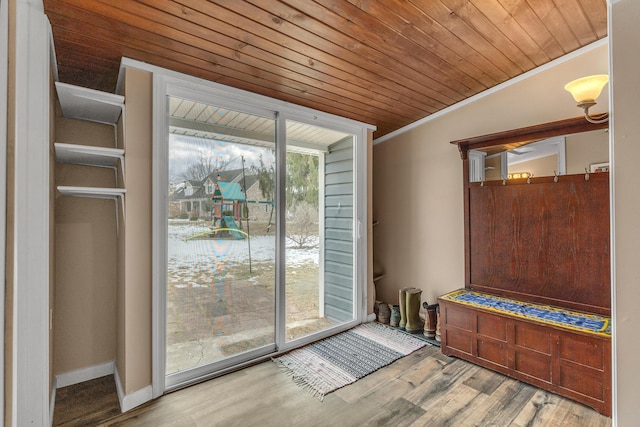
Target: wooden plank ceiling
x,y
386,62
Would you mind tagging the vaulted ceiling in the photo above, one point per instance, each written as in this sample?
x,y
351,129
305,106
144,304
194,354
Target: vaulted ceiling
x,y
386,62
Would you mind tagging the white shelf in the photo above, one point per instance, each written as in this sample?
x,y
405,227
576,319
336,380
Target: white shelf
x,y
97,193
92,192
95,106
88,104
88,155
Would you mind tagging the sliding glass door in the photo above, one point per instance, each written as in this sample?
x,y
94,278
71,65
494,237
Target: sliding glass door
x,y
221,235
260,231
319,189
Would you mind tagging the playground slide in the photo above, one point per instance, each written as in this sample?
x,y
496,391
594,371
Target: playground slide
x,y
232,226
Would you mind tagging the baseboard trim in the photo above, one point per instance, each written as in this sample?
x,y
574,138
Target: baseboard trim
x,y
137,398
85,374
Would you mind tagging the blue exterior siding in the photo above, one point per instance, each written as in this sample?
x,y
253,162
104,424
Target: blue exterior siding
x,y
338,231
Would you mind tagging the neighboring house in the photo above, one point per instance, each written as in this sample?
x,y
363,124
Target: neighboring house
x,y
191,199
220,192
260,209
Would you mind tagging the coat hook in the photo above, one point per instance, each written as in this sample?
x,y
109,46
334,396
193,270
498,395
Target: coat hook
x,y
586,174
529,178
555,176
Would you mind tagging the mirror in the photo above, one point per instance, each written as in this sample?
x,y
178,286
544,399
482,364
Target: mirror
x,y
566,154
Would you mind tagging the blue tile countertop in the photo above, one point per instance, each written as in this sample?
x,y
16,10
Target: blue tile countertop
x,y
574,320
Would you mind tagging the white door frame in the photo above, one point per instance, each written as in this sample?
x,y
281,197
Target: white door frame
x,y
4,61
30,398
163,79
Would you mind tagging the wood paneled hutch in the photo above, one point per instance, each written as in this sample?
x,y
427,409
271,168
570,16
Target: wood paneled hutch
x,y
542,241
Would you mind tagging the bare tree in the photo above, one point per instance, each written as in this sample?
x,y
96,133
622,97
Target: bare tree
x,y
302,228
202,167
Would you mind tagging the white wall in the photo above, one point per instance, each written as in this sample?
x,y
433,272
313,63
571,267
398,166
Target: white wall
x,y
625,67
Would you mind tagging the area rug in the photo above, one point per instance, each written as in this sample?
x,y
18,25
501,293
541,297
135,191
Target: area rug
x,y
337,361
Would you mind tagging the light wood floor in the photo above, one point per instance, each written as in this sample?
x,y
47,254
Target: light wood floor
x,y
422,389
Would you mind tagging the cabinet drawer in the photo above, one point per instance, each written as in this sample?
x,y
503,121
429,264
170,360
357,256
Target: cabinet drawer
x,y
533,337
581,379
534,364
493,351
492,326
582,350
458,317
458,340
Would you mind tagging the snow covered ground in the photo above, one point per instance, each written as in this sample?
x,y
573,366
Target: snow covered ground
x,y
208,253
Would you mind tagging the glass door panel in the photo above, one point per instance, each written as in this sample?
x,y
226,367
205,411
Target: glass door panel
x,y
220,296
319,253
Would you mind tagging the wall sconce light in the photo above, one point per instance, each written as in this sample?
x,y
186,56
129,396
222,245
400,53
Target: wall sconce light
x,y
585,91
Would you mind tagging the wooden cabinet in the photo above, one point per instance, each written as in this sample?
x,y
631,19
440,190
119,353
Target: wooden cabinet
x,y
572,364
542,241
